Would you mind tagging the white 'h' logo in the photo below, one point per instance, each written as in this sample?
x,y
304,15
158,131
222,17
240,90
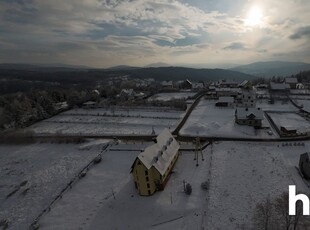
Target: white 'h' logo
x,y
293,198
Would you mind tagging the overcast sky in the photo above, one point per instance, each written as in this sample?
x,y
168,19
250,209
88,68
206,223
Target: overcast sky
x,y
139,32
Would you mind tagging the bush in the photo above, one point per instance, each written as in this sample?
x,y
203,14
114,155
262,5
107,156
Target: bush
x,y
205,185
188,189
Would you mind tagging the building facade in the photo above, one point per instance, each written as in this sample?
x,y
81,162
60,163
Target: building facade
x,y
151,169
249,116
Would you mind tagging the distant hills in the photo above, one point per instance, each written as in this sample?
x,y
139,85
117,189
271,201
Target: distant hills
x,y
182,73
272,68
78,75
43,66
82,74
158,64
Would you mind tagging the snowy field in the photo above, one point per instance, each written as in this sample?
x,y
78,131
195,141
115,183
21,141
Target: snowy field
x,y
305,103
170,96
244,174
91,205
240,175
209,120
114,121
292,120
278,105
37,172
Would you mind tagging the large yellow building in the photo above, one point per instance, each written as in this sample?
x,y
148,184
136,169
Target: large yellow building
x,y
151,169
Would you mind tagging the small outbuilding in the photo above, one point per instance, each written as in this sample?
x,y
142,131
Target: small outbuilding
x,y
304,164
225,102
287,130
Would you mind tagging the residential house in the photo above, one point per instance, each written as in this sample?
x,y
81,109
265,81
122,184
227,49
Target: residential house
x,y
225,102
249,116
167,84
197,86
152,168
245,84
228,84
127,94
247,99
227,92
292,82
279,88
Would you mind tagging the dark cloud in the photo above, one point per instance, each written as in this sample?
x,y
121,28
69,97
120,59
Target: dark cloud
x,y
301,32
236,46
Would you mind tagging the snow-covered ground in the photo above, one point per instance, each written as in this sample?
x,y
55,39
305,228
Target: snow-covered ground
x,y
240,174
46,168
277,106
170,96
209,120
244,174
91,205
291,120
110,121
304,103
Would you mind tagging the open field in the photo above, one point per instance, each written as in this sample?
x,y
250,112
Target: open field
x,y
113,121
46,168
170,96
291,120
209,120
277,106
244,174
240,174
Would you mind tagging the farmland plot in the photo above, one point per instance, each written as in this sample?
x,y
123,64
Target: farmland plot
x,y
110,122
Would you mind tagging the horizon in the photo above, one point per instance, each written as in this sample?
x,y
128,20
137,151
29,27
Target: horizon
x,y
102,34
224,66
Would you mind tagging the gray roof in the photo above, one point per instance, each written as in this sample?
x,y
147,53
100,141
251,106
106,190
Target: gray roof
x,y
291,80
226,99
279,86
246,113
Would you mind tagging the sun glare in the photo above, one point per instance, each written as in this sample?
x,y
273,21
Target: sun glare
x,y
254,17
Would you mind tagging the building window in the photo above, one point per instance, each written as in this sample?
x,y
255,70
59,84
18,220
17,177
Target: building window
x,y
149,192
148,185
147,178
146,172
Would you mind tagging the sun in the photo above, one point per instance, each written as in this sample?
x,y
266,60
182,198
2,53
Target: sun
x,y
254,17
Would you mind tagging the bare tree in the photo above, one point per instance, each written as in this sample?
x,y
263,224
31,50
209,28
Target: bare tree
x,y
274,215
263,215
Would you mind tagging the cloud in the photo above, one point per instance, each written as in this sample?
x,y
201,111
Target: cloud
x,y
236,46
301,32
112,32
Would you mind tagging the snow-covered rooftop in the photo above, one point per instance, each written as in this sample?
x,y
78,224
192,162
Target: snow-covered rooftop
x,y
160,154
228,90
245,113
291,80
226,99
166,83
279,86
